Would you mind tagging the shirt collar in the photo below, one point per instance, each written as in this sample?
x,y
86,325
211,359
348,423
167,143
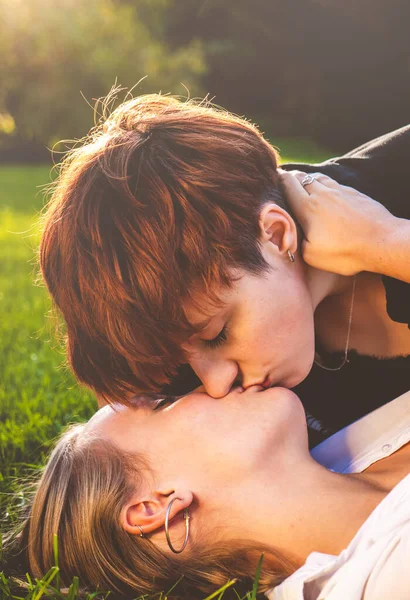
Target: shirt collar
x,y
364,442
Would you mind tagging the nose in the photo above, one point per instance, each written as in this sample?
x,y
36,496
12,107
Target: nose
x,y
217,376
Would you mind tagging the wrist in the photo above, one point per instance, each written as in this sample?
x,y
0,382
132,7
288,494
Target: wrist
x,y
386,240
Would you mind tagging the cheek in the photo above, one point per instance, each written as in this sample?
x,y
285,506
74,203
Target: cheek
x,y
276,333
261,435
272,325
296,323
204,451
282,431
215,438
217,443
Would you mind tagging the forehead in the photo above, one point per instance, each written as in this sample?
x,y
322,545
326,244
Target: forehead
x,y
111,419
203,306
102,418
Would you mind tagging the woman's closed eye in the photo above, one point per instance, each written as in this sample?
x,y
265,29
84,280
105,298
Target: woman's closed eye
x,y
164,402
217,340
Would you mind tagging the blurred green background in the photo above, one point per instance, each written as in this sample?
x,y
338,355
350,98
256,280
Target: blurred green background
x,y
336,73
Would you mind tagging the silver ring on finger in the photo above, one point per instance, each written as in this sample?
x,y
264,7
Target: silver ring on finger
x,y
308,179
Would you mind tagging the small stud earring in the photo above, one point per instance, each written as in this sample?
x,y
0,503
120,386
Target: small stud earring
x,y
291,256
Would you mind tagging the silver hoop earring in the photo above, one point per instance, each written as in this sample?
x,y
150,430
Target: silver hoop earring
x,y
186,517
291,256
141,532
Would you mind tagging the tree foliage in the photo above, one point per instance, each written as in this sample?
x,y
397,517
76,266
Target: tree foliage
x,y
54,50
331,71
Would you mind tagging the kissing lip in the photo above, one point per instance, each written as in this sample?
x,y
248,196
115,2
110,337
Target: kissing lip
x,y
267,382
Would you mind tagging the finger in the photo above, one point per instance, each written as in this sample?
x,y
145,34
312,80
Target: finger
x,y
327,181
296,196
307,180
319,178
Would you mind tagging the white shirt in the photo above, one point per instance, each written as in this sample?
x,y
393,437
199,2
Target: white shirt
x,y
376,564
366,441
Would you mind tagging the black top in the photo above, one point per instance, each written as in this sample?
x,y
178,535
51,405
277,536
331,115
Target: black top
x,y
334,399
337,398
380,169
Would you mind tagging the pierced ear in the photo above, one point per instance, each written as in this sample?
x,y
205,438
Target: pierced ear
x,y
148,513
277,227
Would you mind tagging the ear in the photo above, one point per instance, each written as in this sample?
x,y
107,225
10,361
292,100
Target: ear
x,y
277,227
149,512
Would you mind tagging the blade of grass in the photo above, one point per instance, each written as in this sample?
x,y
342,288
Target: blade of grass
x,y
221,590
257,578
97,594
44,583
55,550
4,584
73,589
168,593
30,581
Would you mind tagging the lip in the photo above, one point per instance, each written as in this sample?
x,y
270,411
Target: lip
x,y
267,382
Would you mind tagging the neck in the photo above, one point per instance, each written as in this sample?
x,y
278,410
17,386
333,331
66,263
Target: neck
x,y
322,284
300,513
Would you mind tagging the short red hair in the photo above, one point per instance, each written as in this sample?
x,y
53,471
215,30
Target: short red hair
x,y
163,197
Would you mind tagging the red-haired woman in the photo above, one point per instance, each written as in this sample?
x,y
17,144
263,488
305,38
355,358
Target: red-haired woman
x,y
170,240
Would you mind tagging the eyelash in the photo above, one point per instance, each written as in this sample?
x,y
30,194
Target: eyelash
x,y
218,340
164,402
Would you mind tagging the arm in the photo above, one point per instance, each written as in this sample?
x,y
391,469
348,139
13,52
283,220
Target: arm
x,y
345,231
391,254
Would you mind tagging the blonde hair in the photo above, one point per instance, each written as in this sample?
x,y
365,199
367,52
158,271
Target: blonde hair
x,y
84,486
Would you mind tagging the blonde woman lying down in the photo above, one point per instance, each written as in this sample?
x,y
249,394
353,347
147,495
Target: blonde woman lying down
x,y
199,487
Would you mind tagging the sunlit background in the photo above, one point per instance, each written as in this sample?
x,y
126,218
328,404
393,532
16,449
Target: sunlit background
x,y
334,72
319,76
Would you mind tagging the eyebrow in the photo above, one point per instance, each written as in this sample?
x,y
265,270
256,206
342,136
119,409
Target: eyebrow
x,y
200,325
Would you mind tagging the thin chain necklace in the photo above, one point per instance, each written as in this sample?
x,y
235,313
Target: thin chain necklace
x,y
349,328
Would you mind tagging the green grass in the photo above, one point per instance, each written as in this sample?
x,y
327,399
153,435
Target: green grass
x,y
299,150
38,396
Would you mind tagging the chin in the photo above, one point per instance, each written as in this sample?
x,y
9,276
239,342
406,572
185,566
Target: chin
x,y
304,372
287,418
296,375
293,379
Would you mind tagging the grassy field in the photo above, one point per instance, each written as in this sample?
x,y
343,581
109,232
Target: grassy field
x,y
38,396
